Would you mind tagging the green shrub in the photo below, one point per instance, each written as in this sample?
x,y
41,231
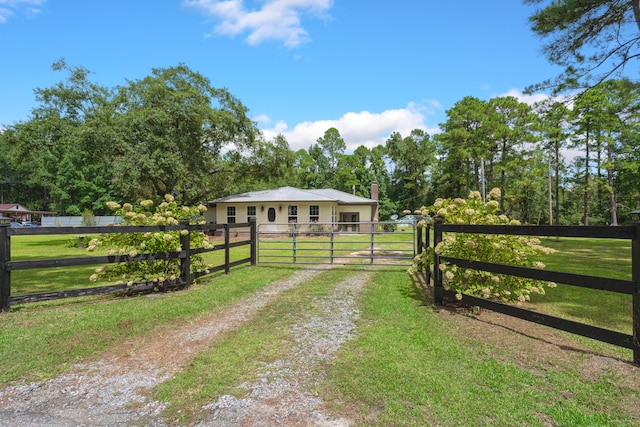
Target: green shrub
x,y
317,228
88,218
389,227
499,249
167,213
78,242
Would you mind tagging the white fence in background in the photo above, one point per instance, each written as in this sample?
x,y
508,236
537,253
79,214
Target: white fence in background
x,y
76,221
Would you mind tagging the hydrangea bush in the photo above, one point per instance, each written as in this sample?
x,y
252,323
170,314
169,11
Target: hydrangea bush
x,y
499,249
167,213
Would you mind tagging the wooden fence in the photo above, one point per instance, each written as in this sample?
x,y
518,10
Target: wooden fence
x,y
629,287
7,265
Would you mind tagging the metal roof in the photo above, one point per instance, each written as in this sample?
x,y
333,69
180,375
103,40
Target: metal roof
x,y
292,194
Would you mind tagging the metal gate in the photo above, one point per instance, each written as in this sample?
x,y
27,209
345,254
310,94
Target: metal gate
x,y
379,243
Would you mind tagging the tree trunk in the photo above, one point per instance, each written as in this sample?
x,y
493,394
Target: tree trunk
x,y
585,207
557,183
612,197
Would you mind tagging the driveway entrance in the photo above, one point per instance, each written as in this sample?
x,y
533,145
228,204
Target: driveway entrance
x,y
379,243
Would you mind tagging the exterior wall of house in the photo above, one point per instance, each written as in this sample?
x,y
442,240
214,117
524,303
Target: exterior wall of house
x,y
210,214
281,210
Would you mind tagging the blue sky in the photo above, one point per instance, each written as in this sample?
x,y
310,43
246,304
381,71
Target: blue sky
x,y
366,67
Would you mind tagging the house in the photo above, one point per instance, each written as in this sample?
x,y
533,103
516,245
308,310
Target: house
x,y
20,213
275,209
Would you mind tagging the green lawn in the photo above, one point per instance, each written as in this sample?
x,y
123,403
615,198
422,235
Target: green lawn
x,y
594,257
409,364
412,366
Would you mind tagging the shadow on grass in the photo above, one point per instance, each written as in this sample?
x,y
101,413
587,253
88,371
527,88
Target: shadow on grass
x,y
62,241
545,332
530,330
419,290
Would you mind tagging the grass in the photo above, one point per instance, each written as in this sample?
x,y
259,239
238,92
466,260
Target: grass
x,y
593,257
41,340
409,365
26,248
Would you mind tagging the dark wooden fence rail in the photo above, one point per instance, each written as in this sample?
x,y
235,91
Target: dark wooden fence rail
x,y
630,287
186,277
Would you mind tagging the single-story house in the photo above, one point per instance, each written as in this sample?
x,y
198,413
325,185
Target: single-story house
x,y
275,209
20,213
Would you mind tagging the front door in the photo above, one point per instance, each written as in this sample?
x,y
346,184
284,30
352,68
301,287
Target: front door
x,y
271,220
350,220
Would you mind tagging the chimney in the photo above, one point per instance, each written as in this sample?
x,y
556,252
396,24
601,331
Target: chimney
x,y
374,196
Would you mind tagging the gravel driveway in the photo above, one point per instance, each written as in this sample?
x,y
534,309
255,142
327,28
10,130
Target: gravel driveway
x,y
110,392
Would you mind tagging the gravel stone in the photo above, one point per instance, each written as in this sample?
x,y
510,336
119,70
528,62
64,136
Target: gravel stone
x,y
111,392
283,393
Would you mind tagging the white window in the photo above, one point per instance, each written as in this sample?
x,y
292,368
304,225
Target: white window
x,y
293,213
231,214
314,213
251,213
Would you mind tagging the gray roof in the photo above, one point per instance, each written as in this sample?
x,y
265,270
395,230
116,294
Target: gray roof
x,y
292,194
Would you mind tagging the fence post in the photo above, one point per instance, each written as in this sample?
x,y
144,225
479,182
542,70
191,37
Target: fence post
x,y
419,243
635,277
185,243
254,235
293,241
423,243
437,274
227,256
331,243
5,274
371,245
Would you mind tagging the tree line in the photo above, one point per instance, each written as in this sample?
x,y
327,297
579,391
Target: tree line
x,y
174,133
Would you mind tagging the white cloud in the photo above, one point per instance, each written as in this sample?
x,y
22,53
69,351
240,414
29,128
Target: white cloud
x,y
363,128
275,20
568,154
527,99
9,8
263,119
567,99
